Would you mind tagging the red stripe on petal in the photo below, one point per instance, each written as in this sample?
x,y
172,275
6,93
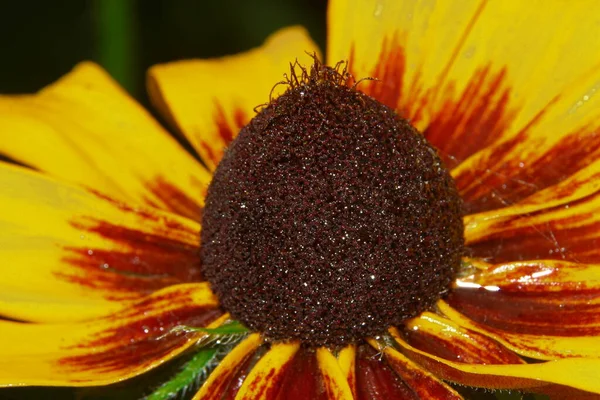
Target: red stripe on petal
x,y
156,252
239,118
141,341
303,379
228,131
552,277
231,384
389,72
503,179
120,285
475,119
551,233
556,314
375,380
176,200
225,131
445,340
425,385
451,374
389,82
463,123
143,253
213,156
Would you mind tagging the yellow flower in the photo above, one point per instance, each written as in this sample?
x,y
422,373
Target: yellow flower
x,y
99,237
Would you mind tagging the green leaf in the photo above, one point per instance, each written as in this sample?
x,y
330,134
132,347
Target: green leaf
x,y
211,349
196,367
229,328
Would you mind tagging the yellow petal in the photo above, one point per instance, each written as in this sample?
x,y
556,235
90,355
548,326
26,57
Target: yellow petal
x,y
85,129
444,338
543,309
526,167
108,349
579,186
263,381
579,373
565,232
69,254
222,380
540,339
334,380
347,362
375,377
210,100
423,383
517,76
567,281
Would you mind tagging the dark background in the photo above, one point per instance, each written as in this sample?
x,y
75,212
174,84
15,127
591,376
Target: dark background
x,y
42,40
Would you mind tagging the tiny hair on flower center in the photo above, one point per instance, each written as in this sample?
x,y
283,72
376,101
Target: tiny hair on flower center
x,y
330,218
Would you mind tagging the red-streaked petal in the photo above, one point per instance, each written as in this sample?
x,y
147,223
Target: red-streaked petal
x,y
568,232
70,254
544,298
303,379
507,173
109,349
266,377
423,383
566,281
578,373
333,378
443,338
86,130
223,380
447,69
210,100
347,361
578,187
535,332
376,380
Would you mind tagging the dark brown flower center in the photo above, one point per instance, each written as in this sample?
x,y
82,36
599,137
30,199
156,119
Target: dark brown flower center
x,y
330,218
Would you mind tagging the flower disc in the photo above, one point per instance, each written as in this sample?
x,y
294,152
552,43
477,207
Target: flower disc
x,y
330,218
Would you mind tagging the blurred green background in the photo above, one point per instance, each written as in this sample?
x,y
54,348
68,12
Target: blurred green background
x,y
42,40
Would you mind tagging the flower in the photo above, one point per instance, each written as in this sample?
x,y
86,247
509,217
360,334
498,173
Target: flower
x,y
99,241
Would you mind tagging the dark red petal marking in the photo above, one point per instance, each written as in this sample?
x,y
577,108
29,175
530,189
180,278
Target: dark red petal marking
x,y
176,200
136,342
122,286
227,131
275,378
424,385
569,232
547,276
388,87
142,262
474,120
506,177
235,381
464,124
569,313
147,254
476,380
211,153
303,379
375,380
478,349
